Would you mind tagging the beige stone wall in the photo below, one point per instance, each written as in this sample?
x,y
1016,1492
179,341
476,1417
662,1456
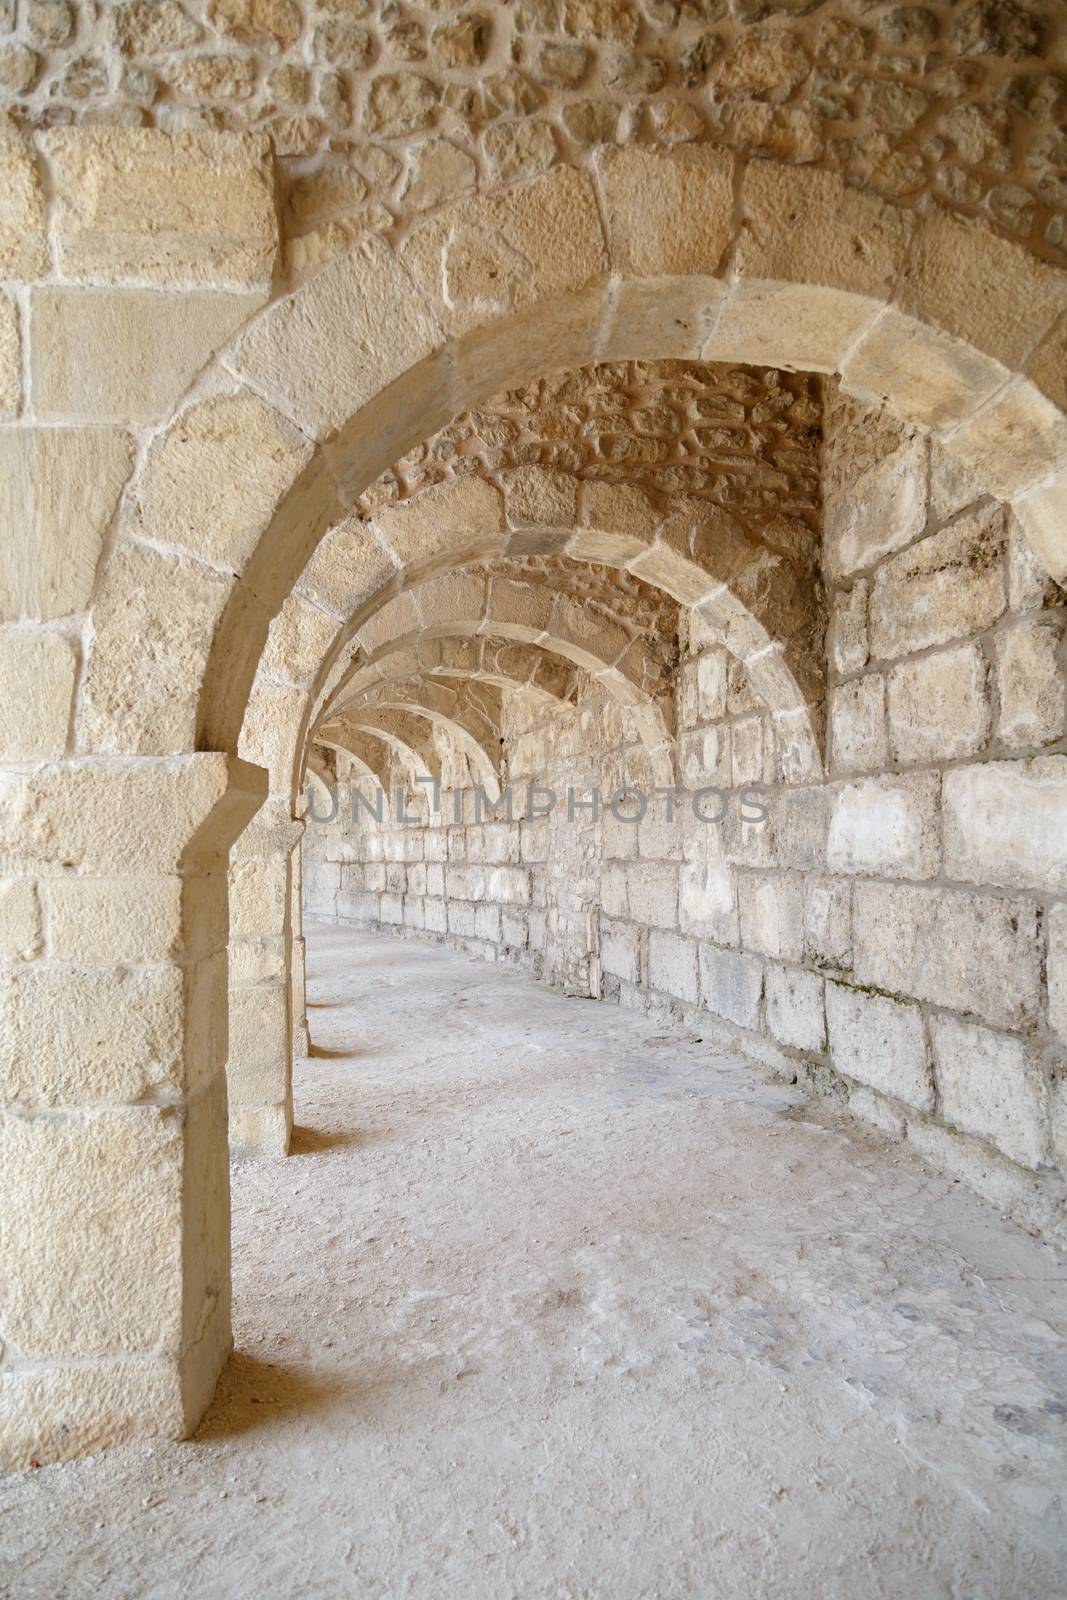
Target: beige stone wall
x,y
380,112
890,935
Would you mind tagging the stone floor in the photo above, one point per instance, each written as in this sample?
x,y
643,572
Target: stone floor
x,y
549,1304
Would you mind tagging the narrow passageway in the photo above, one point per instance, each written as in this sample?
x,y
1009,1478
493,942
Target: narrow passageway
x,y
554,1302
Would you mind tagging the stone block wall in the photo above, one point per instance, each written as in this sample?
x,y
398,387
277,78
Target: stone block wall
x,y
894,935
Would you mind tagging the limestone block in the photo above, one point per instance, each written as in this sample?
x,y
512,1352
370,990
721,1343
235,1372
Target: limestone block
x,y
858,739
143,678
991,1086
1013,442
952,486
211,482
801,819
983,288
21,937
946,587
789,325
1031,684
60,1413
772,915
619,951
920,374
1042,515
656,319
508,886
513,350
969,952
334,344
58,491
794,1008
37,671
127,919
1006,823
135,205
258,1067
886,826
10,358
939,706
809,227
123,355
347,568
298,642
672,965
453,516
847,644
23,236
128,817
52,1223
396,619
484,259
731,986
668,211
828,923
540,497
258,896
651,894
883,510
1057,970
90,1036
880,1042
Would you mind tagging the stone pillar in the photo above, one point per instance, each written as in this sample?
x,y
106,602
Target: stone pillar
x,y
259,1072
114,1188
301,1036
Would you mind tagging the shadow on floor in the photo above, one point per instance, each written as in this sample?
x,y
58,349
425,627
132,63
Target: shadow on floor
x,y
323,1052
253,1393
313,1141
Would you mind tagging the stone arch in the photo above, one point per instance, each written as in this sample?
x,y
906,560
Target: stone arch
x,y
773,264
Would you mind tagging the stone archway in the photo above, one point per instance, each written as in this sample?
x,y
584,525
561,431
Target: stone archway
x,y
480,296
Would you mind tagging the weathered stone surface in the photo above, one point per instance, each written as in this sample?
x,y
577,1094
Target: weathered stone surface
x,y
794,1008
971,952
141,697
152,27
58,491
134,205
293,355
1016,440
948,586
10,358
1031,684
858,724
1006,823
806,226
487,258
1057,970
939,706
123,355
991,1086
886,826
982,288
672,965
212,481
668,211
884,509
731,985
21,934
847,644
453,514
880,1042
921,374
270,22
37,671
23,239
772,915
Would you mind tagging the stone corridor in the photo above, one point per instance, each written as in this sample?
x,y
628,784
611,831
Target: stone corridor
x,y
553,1302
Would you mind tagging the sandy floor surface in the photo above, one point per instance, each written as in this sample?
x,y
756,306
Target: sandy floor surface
x,y
548,1303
